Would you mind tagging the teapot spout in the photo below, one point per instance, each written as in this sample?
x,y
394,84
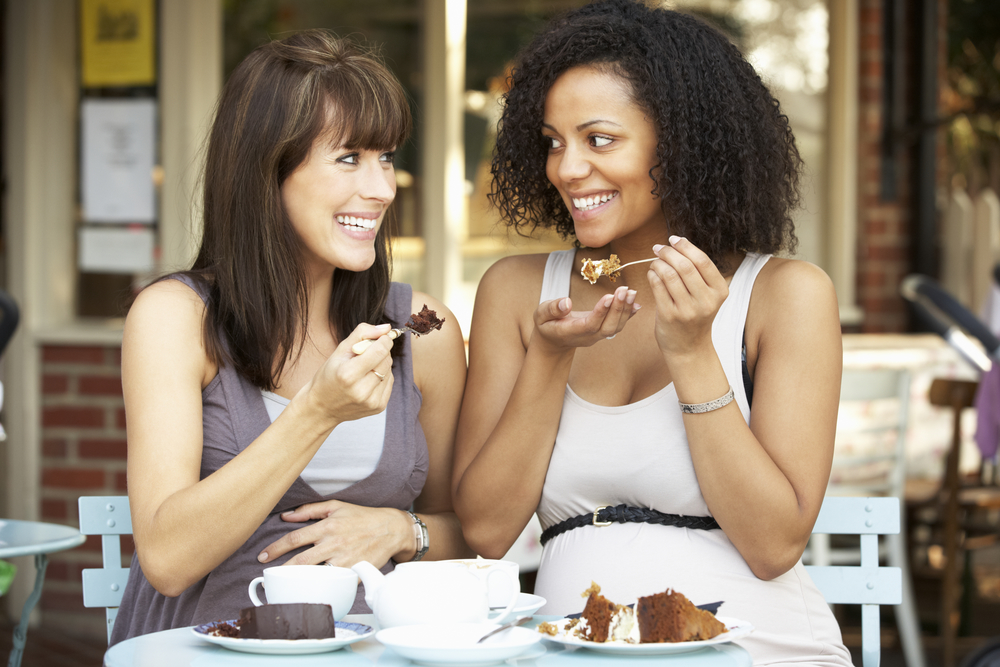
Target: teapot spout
x,y
371,578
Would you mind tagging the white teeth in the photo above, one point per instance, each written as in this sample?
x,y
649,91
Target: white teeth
x,y
351,221
587,203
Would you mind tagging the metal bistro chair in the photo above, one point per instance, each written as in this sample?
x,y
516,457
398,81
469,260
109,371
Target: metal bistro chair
x,y
109,517
870,460
868,584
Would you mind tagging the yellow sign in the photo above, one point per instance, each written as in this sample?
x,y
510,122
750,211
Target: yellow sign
x,y
118,45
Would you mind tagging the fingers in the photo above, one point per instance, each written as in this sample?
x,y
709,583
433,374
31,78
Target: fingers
x,y
365,334
553,310
613,311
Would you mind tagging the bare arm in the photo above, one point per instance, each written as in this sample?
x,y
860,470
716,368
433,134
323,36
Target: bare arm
x,y
520,357
763,483
185,526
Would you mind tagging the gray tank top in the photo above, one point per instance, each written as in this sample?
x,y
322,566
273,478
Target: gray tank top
x,y
233,416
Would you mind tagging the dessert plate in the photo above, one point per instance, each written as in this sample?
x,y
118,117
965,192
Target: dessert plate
x,y
737,630
347,633
455,644
526,605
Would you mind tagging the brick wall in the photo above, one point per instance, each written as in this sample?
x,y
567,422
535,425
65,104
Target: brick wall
x,y
83,453
885,227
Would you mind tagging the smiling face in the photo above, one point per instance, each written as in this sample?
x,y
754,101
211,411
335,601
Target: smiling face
x,y
601,149
336,201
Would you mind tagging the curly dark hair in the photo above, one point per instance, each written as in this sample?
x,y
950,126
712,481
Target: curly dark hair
x,y
727,166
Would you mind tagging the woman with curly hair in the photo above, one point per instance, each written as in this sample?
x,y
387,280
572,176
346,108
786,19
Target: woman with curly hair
x,y
643,133
256,436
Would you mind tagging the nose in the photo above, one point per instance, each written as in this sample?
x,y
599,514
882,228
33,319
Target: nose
x,y
378,182
573,164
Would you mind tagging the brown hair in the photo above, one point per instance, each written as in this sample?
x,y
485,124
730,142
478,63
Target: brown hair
x,y
276,103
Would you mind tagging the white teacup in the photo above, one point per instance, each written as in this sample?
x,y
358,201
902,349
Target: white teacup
x,y
315,584
501,590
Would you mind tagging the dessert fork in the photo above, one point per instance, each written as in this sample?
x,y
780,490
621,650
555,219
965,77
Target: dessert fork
x,y
362,345
505,626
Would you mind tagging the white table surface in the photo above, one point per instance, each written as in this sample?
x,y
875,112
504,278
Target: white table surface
x,y
28,538
181,648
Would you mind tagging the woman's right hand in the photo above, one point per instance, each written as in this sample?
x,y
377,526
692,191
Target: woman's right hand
x,y
349,386
558,326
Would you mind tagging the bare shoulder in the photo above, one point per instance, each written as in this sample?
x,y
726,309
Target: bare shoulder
x,y
793,286
166,301
167,318
514,281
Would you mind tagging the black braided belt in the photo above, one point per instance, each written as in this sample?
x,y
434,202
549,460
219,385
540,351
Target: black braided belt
x,y
605,516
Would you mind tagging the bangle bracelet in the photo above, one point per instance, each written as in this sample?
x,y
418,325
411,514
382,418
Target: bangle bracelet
x,y
420,535
696,408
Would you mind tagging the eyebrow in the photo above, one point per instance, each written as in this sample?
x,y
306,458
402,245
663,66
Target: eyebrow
x,y
583,126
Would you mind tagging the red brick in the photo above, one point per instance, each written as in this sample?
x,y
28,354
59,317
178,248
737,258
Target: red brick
x,y
73,354
102,385
102,449
54,448
120,418
57,571
121,481
73,478
55,384
64,601
80,417
116,356
128,547
54,509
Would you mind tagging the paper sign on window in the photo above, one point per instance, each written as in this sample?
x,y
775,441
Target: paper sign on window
x,y
117,154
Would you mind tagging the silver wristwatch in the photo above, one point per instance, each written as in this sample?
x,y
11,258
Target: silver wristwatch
x,y
420,533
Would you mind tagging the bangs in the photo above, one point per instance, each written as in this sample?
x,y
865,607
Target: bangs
x,y
366,112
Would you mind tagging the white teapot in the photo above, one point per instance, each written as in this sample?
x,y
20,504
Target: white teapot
x,y
430,592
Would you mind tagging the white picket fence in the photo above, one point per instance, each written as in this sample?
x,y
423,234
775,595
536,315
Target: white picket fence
x,y
970,245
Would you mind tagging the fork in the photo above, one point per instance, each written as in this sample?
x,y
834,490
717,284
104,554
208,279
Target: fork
x,y
362,345
505,626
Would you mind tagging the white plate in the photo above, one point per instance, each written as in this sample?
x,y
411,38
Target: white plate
x,y
455,644
347,633
737,630
526,605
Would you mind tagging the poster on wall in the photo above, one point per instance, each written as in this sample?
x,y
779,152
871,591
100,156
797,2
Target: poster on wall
x,y
117,155
118,47
125,250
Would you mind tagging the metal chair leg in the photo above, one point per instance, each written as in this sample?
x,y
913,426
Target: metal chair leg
x,y
21,631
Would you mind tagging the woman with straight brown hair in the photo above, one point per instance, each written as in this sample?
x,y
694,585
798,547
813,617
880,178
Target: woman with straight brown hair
x,y
256,437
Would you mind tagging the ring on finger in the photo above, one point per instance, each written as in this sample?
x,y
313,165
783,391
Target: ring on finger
x,y
380,376
611,336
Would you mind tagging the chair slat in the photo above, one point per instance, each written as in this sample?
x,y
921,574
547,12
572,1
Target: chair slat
x,y
104,588
858,516
105,515
857,585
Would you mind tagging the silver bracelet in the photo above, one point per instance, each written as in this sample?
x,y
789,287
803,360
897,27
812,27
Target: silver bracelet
x,y
696,408
420,533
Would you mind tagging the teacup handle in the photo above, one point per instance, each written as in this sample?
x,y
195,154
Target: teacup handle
x,y
508,612
253,591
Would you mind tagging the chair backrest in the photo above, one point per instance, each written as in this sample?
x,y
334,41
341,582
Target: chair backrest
x,y
870,453
109,517
866,584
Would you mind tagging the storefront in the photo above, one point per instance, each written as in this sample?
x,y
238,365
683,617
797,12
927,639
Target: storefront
x,y
61,373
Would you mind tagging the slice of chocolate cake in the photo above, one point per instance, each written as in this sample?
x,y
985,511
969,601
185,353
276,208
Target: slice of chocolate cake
x,y
424,322
287,621
671,617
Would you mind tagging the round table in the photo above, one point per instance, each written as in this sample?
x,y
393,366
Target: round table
x,y
33,538
181,648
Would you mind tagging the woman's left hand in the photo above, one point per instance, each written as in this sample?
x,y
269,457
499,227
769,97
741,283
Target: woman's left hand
x,y
342,535
688,289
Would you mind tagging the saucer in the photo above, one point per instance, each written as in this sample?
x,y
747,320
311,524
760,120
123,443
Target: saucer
x,y
526,605
455,644
347,633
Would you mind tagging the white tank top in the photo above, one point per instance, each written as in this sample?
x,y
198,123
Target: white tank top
x,y
638,454
348,455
